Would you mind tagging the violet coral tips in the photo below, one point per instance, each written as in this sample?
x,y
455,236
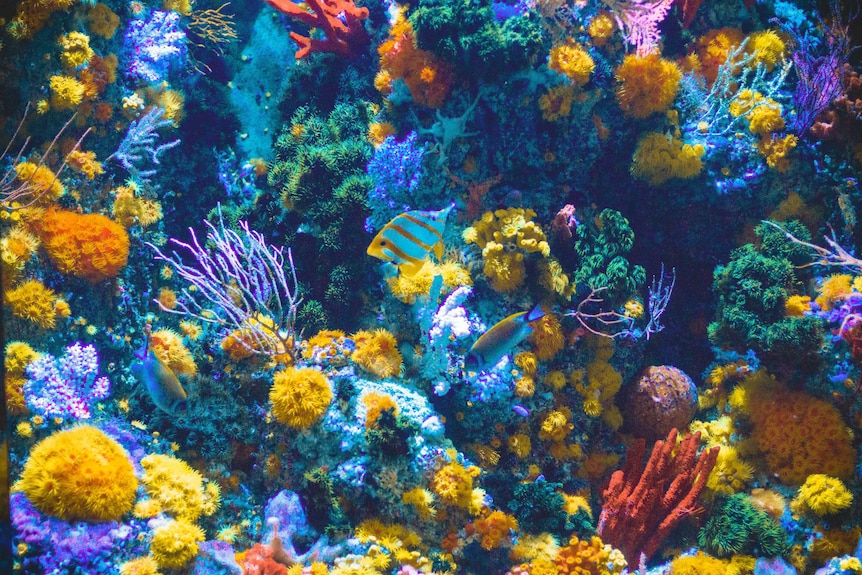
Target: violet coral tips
x,y
79,474
300,397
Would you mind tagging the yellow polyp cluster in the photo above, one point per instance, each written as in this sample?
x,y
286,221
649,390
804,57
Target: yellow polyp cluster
x,y
556,103
140,566
505,237
85,163
76,50
591,557
375,404
177,488
716,432
401,544
102,21
547,338
422,501
573,62
829,543
698,564
17,247
601,28
730,474
766,47
834,288
797,305
557,424
257,335
379,131
661,157
33,302
377,353
66,92
169,347
556,380
146,508
41,182
647,84
764,120
775,149
821,496
176,543
328,345
408,288
453,484
599,383
519,445
129,209
495,529
554,279
300,397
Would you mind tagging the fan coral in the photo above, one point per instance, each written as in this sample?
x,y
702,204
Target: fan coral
x,y
89,246
377,353
647,84
34,302
821,495
79,474
176,543
505,236
178,489
300,397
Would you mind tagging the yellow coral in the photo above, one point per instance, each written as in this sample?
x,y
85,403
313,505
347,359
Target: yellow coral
x,y
775,149
767,47
300,397
557,424
547,337
730,473
176,543
177,488
589,558
18,355
765,118
422,501
66,92
79,474
17,247
453,484
834,288
76,50
520,445
556,103
821,495
699,564
797,305
33,302
169,347
140,566
660,157
647,84
129,209
377,352
573,62
601,28
85,163
408,288
40,181
495,529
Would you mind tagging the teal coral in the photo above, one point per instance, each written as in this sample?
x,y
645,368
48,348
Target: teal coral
x,y
736,527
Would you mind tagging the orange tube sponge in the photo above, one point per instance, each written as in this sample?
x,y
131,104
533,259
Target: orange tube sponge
x,y
79,474
300,396
647,84
90,246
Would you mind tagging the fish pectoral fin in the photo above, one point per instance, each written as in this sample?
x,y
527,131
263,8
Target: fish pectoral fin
x,y
438,251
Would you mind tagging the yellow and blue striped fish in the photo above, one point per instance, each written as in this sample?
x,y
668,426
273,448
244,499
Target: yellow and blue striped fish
x,y
407,240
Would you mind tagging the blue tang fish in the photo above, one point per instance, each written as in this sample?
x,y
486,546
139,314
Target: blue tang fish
x,y
503,336
161,382
407,240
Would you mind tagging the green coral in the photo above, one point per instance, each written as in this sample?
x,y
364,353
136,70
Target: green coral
x,y
319,172
601,246
736,527
752,290
321,505
466,34
540,508
390,435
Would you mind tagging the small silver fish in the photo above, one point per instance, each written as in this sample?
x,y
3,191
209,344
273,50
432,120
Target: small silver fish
x,y
503,336
161,382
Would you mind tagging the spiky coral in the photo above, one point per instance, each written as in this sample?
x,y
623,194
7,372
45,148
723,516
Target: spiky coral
x,y
300,396
647,84
377,353
178,488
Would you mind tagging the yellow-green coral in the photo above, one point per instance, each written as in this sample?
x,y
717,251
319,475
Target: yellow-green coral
x,y
821,495
177,487
505,237
176,543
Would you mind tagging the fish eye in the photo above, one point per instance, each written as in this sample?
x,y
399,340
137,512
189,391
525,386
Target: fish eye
x,y
382,242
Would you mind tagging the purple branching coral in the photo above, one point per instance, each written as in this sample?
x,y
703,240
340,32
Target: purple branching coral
x,y
397,172
139,144
240,283
819,65
66,387
54,546
154,46
639,21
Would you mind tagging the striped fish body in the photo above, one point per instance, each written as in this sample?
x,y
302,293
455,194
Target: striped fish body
x,y
162,384
407,240
502,337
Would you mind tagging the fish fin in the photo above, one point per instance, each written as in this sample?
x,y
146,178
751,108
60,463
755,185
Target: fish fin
x,y
410,269
438,250
535,313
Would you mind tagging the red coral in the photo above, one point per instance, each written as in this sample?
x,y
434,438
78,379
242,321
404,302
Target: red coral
x,y
258,561
644,504
340,21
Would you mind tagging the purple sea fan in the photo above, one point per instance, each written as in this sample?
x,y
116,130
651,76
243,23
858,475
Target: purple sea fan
x,y
397,172
66,387
154,46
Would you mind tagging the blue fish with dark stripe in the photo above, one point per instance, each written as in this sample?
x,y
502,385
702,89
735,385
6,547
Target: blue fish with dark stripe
x,y
407,240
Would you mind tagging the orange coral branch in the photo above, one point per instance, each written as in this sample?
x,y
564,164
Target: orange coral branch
x,y
340,21
644,504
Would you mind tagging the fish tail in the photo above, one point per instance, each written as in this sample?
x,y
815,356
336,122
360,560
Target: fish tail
x,y
534,314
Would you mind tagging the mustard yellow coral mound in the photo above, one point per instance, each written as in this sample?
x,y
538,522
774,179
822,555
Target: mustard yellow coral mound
x,y
647,84
300,397
42,184
573,62
821,495
76,50
66,92
33,302
547,337
505,236
453,484
660,157
589,557
140,566
178,488
79,474
377,352
699,564
766,47
408,288
176,543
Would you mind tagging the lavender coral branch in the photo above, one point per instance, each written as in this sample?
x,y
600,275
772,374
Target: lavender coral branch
x,y
239,282
639,20
66,387
140,143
